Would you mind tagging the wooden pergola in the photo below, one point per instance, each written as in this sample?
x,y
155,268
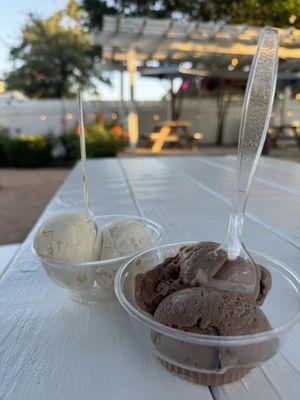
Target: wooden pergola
x,y
213,48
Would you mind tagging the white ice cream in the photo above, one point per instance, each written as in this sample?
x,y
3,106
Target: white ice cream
x,y
123,237
72,238
68,238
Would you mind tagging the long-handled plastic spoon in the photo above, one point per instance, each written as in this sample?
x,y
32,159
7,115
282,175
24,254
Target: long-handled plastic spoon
x,y
253,129
86,198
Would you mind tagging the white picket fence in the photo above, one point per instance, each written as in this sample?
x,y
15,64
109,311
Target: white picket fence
x,y
55,116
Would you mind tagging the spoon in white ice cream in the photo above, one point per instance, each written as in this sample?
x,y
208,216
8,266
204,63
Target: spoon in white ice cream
x,y
86,197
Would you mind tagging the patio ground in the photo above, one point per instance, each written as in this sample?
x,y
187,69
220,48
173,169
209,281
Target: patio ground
x,y
287,153
24,193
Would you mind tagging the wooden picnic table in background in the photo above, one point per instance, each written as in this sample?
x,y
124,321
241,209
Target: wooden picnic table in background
x,y
171,131
289,133
53,348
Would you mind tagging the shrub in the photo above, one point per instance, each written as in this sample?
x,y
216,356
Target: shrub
x,y
28,151
3,155
101,141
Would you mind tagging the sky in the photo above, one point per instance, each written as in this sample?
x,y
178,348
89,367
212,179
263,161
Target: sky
x,y
13,17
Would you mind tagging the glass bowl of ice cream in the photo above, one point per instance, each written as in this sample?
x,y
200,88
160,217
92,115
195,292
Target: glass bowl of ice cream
x,y
83,256
203,333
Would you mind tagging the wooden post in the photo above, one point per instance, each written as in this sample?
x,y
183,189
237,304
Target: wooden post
x,y
170,101
122,111
133,127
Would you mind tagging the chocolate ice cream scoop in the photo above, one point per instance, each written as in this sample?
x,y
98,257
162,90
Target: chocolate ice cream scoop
x,y
194,266
265,284
156,284
211,311
239,272
199,262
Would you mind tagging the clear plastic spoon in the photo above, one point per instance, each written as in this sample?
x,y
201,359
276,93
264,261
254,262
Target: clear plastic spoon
x,y
253,129
83,158
86,197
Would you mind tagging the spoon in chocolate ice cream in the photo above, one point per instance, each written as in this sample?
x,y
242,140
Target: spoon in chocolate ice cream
x,y
253,129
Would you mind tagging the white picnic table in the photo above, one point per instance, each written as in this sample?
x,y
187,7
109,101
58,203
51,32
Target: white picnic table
x,y
54,349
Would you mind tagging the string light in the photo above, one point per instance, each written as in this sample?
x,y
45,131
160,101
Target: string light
x,y
114,116
69,116
198,136
234,61
156,117
43,117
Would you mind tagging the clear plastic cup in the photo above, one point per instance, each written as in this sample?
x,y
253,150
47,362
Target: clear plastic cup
x,y
92,282
212,360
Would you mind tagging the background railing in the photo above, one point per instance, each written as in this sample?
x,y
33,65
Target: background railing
x,y
57,116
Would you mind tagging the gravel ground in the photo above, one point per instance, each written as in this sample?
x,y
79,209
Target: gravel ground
x,y
24,193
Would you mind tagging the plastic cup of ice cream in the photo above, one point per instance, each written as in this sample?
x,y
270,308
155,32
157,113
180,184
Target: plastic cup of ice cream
x,y
92,282
207,359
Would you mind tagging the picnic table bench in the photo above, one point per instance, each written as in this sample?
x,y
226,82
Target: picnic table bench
x,y
55,349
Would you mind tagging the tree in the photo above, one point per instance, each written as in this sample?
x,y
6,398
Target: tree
x,y
55,56
277,13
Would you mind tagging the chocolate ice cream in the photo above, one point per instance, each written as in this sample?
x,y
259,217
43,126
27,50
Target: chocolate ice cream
x,y
200,262
193,266
211,311
153,286
178,293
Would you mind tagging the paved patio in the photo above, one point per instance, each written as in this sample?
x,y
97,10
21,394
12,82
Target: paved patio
x,y
285,153
23,196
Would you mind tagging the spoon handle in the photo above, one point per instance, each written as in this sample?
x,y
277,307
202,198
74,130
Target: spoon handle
x,y
253,129
83,158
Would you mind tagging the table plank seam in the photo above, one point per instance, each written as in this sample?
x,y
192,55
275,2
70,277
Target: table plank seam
x,y
289,363
267,160
258,179
271,383
10,263
270,227
130,189
210,388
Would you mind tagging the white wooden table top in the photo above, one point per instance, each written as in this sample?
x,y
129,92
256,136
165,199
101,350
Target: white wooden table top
x,y
54,349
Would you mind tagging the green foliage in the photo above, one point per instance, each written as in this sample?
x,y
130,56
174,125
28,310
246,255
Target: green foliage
x,y
3,155
254,12
33,151
4,132
55,56
96,9
27,151
101,141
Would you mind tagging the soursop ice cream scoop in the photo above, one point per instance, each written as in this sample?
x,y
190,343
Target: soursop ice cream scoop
x,y
123,237
68,237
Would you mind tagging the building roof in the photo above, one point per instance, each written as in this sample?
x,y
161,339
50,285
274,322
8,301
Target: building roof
x,y
209,45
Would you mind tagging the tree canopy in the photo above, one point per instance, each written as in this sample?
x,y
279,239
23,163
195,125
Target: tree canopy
x,y
278,13
55,56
